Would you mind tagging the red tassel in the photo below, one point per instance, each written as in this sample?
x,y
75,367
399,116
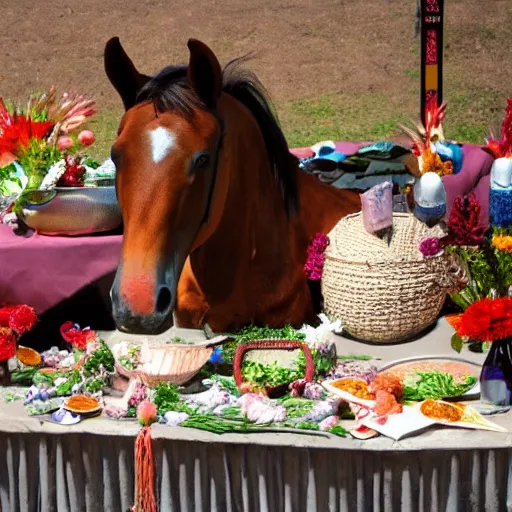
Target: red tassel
x,y
145,500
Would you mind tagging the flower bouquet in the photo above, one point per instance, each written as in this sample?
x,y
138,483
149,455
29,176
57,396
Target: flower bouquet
x,y
43,161
490,320
481,261
14,322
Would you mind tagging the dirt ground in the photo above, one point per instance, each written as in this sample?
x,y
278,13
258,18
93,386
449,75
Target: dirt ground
x,y
306,48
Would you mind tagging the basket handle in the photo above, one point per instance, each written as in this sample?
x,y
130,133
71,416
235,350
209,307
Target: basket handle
x,y
272,345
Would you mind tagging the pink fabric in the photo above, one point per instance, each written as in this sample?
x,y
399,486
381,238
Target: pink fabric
x,y
302,152
474,176
43,270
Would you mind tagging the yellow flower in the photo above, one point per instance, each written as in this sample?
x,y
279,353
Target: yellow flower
x,y
431,162
502,243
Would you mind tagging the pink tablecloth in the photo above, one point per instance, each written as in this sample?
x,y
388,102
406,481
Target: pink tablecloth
x,y
42,270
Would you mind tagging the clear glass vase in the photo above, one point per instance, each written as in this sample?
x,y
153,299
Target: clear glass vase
x,y
496,375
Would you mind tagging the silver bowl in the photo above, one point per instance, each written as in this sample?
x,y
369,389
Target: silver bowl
x,y
71,210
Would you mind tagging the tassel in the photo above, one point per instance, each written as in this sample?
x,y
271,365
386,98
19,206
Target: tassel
x,y
144,473
145,500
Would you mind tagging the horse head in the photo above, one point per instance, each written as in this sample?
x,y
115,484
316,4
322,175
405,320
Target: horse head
x,y
165,154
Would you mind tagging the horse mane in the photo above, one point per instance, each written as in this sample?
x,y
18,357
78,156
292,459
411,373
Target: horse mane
x,y
169,90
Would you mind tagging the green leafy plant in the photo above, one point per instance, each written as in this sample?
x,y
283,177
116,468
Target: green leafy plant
x,y
434,385
101,357
167,399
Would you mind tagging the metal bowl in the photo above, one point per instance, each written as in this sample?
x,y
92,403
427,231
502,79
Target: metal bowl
x,y
71,210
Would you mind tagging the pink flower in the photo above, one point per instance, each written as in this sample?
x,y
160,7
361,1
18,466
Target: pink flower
x,y
86,138
146,413
64,142
315,259
430,247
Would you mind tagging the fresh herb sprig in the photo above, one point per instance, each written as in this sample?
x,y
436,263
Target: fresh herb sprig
x,y
167,399
268,374
434,385
101,357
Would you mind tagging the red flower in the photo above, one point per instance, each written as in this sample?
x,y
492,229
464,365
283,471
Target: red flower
x,y
22,319
463,228
487,320
76,336
5,315
19,319
7,344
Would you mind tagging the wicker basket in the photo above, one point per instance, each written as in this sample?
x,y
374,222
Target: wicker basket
x,y
383,292
184,361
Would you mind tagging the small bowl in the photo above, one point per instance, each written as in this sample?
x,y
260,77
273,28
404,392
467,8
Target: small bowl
x,y
72,210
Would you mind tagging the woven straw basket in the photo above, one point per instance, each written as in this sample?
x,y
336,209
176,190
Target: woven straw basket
x,y
177,363
383,292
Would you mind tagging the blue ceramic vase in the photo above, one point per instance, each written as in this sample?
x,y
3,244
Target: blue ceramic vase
x,y
496,376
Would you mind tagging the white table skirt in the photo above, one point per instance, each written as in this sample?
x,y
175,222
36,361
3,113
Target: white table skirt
x,y
89,466
87,472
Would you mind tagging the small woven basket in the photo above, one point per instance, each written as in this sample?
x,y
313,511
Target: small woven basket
x,y
383,292
184,362
266,346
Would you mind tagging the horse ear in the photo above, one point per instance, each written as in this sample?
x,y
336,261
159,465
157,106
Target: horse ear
x,y
204,73
122,74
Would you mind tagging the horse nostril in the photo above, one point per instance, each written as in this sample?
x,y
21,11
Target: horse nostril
x,y
164,300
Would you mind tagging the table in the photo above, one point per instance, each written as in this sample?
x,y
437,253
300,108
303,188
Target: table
x,y
44,271
89,466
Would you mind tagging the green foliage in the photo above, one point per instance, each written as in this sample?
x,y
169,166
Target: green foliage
x,y
36,159
268,374
101,357
167,399
434,385
73,377
457,343
91,162
7,175
252,333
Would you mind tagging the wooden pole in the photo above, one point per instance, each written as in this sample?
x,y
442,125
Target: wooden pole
x,y
431,22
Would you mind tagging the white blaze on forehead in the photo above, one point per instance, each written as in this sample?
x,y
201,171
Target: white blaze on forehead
x,y
162,142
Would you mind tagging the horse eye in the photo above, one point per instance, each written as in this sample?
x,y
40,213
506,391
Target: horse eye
x,y
201,160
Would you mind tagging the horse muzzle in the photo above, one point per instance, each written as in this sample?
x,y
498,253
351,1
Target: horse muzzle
x,y
142,308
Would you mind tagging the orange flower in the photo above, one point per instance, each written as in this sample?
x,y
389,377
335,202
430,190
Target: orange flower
x,y
502,243
487,320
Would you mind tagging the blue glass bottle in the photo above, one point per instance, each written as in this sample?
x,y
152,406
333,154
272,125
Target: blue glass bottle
x,y
496,376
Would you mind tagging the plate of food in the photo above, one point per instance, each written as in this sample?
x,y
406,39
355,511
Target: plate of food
x,y
456,415
82,404
435,377
352,390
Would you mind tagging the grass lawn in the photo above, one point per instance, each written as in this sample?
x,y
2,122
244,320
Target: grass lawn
x,y
356,117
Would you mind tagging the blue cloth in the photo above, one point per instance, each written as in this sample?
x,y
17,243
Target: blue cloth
x,y
217,356
500,208
450,151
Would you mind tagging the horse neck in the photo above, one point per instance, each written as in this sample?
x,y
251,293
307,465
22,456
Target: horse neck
x,y
248,209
